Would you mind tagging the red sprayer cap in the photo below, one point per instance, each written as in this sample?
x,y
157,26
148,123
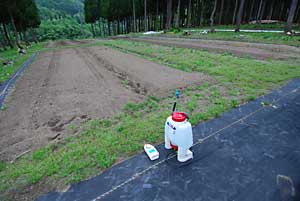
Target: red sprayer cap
x,y
178,116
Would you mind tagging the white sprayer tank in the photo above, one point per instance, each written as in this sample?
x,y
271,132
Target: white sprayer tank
x,y
179,135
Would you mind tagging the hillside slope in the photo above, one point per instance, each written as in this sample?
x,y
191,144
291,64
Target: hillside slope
x,y
49,8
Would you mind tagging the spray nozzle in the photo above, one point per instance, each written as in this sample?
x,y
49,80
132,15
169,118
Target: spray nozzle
x,y
177,93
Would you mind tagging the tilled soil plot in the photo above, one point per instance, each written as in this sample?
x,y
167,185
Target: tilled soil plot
x,y
244,49
73,85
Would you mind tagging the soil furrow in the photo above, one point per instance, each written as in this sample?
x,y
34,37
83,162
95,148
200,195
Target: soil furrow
x,y
242,49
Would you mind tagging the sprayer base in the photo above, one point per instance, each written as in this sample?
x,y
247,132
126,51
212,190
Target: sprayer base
x,y
185,157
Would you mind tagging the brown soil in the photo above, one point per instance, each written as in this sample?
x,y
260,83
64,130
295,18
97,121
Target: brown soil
x,y
243,49
73,85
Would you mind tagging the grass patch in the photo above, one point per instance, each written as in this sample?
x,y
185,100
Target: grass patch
x,y
102,142
274,26
12,55
272,38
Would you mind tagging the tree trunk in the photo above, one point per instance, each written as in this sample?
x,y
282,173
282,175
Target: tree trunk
x,y
10,43
103,26
221,12
271,11
140,24
157,16
3,39
213,14
192,13
297,15
127,28
262,11
25,38
259,12
108,28
227,14
234,12
199,13
251,11
162,21
178,14
145,16
33,35
99,25
3,45
281,11
118,26
239,16
93,30
289,22
189,18
15,31
169,14
134,17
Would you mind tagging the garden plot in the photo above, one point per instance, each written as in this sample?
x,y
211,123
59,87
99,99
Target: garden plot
x,y
243,49
69,86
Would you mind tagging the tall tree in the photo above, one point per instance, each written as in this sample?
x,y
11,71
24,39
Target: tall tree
x,y
169,14
4,20
289,22
213,14
221,12
199,13
234,12
8,39
189,18
11,7
91,11
271,10
145,16
239,16
177,18
251,10
134,16
260,11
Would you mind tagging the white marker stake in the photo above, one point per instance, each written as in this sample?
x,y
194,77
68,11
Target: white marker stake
x,y
152,153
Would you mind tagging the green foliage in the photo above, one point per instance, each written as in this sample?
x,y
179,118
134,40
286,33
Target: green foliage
x,y
234,103
91,10
40,154
62,7
66,28
2,165
26,15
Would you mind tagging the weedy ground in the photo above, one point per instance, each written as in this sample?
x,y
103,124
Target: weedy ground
x,y
104,142
272,38
6,71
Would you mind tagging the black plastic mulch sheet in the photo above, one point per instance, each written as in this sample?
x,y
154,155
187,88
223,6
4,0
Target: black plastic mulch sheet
x,y
244,151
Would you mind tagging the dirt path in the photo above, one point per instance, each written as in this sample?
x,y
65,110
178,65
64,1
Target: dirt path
x,y
243,49
71,85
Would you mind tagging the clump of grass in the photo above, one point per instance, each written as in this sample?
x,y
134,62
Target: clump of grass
x,y
2,165
149,104
234,103
251,97
12,54
192,104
